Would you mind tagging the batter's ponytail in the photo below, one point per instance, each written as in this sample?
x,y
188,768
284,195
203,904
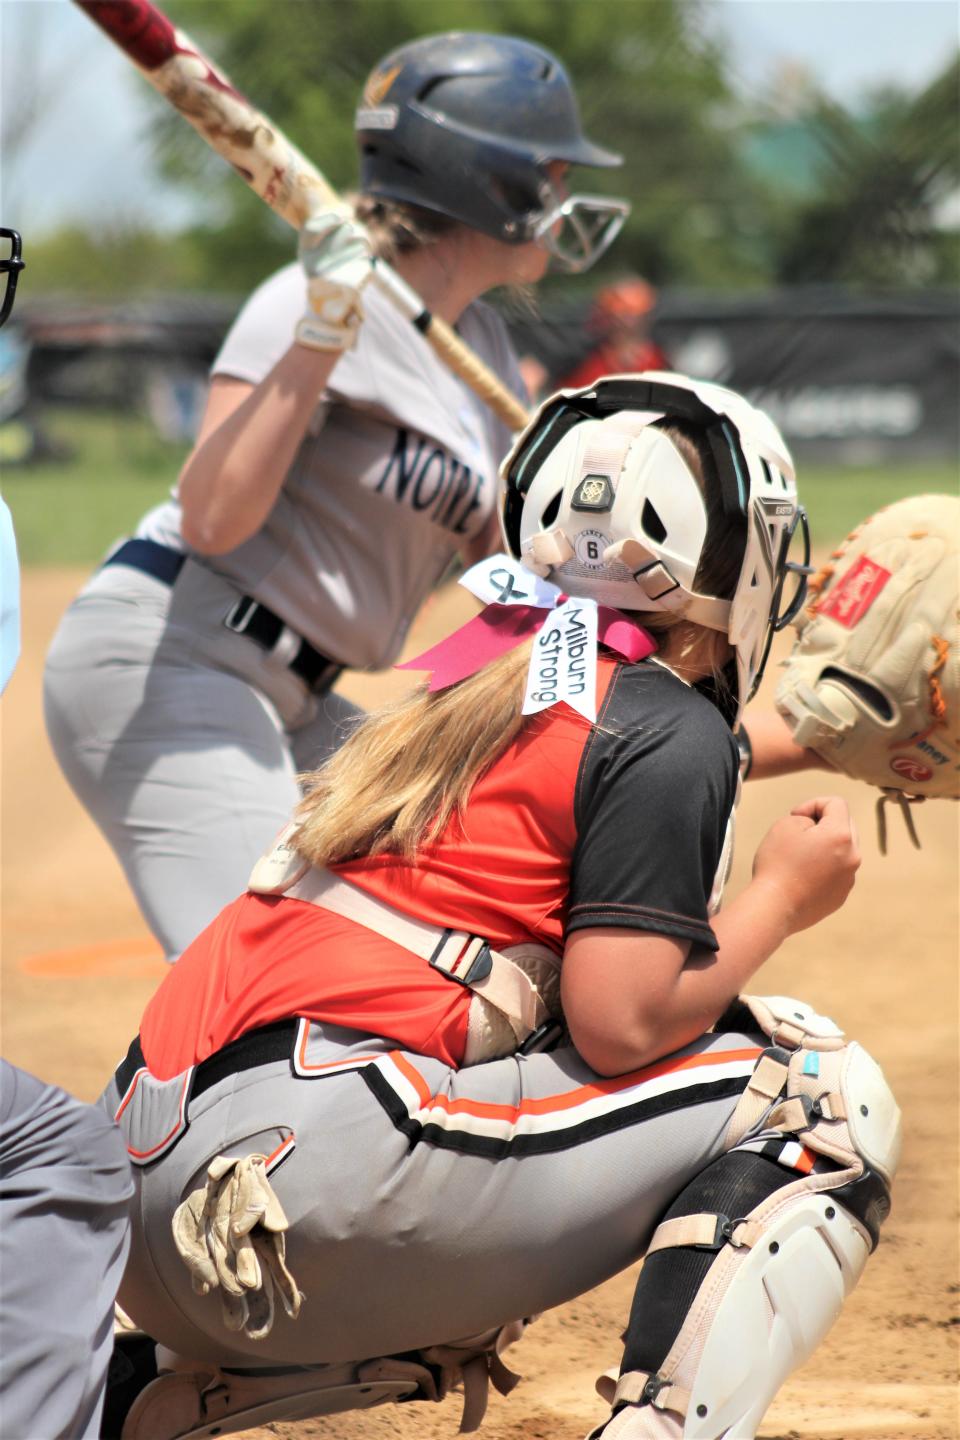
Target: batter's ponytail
x,y
398,228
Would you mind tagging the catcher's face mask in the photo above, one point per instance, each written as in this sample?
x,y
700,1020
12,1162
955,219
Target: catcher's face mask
x,y
11,263
603,503
790,589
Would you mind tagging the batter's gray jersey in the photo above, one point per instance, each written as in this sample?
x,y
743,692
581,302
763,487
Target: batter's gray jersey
x,y
397,471
182,738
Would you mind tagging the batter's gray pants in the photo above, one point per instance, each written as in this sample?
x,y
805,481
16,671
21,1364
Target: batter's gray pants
x,y
181,738
65,1192
425,1204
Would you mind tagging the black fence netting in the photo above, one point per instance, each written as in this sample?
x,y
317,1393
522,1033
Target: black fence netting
x,y
845,375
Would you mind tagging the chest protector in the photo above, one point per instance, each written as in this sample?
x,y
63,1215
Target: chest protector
x,y
516,991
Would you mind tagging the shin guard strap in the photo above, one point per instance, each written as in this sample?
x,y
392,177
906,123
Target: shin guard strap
x,y
766,1084
703,1232
640,1387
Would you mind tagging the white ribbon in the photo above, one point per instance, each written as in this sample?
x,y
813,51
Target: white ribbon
x,y
563,662
563,665
499,580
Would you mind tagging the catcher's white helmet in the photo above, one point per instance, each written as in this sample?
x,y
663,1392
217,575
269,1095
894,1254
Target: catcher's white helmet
x,y
602,502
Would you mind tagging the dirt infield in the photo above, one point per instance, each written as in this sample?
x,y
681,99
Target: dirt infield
x,y
78,967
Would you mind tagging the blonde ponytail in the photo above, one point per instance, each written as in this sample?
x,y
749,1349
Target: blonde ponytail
x,y
407,768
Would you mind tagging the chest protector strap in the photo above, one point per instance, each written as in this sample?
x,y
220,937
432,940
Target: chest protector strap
x,y
521,984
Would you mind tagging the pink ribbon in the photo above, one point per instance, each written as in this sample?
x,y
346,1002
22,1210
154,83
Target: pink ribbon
x,y
498,628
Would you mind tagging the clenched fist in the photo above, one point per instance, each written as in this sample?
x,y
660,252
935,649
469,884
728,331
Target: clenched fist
x,y
811,857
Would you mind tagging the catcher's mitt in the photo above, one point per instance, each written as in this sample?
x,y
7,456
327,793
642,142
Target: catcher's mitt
x,y
873,683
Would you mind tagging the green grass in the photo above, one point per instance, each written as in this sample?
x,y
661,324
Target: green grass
x,y
838,498
67,512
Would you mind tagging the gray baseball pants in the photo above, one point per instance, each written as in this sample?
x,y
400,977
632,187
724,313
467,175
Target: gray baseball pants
x,y
182,739
65,1193
425,1204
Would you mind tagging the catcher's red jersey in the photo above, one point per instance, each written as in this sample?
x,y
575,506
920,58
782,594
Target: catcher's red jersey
x,y
620,823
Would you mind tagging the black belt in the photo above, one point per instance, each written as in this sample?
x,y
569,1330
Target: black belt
x,y
157,560
247,617
257,1047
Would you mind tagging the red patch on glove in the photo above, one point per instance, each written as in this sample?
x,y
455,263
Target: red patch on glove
x,y
851,598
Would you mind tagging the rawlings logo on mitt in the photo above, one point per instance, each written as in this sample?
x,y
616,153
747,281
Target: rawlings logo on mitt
x,y
873,683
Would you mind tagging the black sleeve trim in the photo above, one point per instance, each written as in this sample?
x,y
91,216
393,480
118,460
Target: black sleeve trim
x,y
642,918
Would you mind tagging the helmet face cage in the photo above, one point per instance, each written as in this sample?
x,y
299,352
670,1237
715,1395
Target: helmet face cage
x,y
757,494
467,125
11,263
579,229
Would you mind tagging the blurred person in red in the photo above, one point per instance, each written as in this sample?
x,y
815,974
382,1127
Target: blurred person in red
x,y
619,322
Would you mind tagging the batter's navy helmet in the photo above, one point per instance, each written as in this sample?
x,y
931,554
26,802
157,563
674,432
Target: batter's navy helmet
x,y
467,125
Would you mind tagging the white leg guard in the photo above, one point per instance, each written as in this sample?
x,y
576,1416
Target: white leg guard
x,y
779,1305
782,1270
768,1300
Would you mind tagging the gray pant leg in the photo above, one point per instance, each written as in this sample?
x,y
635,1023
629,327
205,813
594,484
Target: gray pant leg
x,y
186,769
315,742
181,739
400,1241
65,1192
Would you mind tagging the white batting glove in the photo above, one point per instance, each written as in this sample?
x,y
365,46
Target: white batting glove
x,y
337,258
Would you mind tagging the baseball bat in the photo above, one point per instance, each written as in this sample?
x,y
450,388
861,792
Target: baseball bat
x,y
271,165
